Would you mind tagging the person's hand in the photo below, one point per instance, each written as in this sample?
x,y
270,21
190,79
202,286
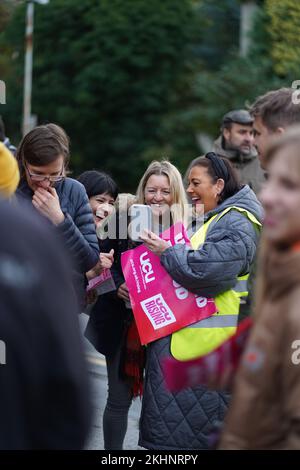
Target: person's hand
x,y
122,292
153,242
91,296
46,201
105,262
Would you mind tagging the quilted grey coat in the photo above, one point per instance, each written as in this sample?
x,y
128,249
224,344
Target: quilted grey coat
x,y
185,420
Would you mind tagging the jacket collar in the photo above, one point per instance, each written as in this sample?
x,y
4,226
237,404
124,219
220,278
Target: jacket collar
x,y
245,199
233,155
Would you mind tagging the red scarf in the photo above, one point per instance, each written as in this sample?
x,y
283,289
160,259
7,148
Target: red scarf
x,y
134,360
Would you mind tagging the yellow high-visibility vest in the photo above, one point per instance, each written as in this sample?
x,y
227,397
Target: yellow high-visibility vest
x,y
206,335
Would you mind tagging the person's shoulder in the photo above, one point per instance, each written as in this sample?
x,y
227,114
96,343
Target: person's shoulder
x,y
74,185
74,190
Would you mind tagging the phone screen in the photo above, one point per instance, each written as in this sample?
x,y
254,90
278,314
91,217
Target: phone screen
x,y
140,220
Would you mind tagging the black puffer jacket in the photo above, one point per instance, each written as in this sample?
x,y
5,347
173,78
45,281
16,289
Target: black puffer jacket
x,y
109,317
77,230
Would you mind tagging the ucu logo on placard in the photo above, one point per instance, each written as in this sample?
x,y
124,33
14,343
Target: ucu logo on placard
x,y
147,268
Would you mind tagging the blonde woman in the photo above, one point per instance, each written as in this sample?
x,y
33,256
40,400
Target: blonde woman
x,y
161,188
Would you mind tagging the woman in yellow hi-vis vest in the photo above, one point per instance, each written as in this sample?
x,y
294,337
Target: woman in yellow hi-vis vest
x,y
217,266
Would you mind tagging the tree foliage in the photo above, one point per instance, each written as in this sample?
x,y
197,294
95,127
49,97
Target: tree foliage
x,y
106,71
134,80
284,31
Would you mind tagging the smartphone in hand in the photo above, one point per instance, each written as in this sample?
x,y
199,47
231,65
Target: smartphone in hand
x,y
140,219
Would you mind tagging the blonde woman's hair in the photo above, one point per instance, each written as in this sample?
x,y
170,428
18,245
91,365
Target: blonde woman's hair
x,y
179,200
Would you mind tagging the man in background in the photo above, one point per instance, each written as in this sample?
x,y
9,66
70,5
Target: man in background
x,y
236,143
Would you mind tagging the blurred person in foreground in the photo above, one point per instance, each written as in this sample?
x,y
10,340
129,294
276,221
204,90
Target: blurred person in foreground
x,y
236,143
9,172
44,399
43,156
265,410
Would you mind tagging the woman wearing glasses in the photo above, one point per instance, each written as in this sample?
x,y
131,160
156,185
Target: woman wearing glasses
x,y
43,156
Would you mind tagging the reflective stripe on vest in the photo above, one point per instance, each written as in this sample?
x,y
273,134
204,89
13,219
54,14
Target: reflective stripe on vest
x,y
206,335
216,321
241,287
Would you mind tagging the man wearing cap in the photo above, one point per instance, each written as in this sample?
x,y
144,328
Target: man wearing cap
x,y
236,144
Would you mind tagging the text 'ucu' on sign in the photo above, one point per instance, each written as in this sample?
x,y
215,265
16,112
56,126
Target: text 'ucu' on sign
x,y
147,268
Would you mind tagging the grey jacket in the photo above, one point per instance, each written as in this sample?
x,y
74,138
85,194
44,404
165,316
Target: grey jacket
x,y
185,420
228,251
247,166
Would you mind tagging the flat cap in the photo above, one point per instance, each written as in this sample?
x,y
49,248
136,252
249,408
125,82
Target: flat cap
x,y
240,116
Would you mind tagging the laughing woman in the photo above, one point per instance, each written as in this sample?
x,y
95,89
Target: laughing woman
x,y
217,266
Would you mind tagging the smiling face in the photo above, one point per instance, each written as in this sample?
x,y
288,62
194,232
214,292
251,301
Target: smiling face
x,y
102,206
203,192
157,194
280,197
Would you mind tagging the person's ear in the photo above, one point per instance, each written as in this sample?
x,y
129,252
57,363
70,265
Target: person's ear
x,y
220,184
226,133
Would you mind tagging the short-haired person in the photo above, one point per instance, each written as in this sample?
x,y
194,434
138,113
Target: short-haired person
x,y
43,156
217,266
265,409
236,143
273,113
102,192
